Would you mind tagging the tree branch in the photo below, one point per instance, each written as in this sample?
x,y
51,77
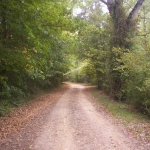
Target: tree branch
x,y
104,2
134,11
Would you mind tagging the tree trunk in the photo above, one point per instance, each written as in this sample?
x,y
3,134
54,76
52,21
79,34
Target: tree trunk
x,y
4,24
122,25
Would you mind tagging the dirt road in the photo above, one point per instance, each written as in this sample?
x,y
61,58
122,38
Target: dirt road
x,y
71,123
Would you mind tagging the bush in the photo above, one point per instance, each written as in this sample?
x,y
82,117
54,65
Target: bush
x,y
10,96
4,107
136,74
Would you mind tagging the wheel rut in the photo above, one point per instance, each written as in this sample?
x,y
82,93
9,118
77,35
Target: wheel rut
x,y
73,123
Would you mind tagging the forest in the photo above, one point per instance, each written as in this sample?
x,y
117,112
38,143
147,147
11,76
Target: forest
x,y
101,42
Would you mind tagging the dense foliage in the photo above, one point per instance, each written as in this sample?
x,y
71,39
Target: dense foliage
x,y
117,55
34,47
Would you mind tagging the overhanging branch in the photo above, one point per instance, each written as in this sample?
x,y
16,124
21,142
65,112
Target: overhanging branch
x,y
104,2
134,11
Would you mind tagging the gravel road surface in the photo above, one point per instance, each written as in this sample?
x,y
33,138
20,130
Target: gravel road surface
x,y
71,123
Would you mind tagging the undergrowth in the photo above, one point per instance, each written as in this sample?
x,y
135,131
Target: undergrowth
x,y
120,109
18,100
137,123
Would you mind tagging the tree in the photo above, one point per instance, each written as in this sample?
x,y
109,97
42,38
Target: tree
x,y
123,30
122,24
33,46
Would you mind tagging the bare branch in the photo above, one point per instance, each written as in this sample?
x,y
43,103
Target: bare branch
x,y
134,11
104,2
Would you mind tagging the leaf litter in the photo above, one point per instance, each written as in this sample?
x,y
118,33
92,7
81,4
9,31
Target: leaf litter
x,y
19,117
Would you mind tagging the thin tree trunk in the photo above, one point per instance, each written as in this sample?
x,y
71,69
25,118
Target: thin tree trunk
x,y
4,24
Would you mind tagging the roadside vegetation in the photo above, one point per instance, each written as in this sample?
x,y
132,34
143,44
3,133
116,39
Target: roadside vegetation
x,y
137,123
35,45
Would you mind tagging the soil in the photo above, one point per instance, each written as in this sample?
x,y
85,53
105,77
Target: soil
x,y
71,120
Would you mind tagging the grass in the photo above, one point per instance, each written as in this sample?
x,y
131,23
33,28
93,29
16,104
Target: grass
x,y
136,123
119,109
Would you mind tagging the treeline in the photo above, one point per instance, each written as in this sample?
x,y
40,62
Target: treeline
x,y
116,47
34,47
40,41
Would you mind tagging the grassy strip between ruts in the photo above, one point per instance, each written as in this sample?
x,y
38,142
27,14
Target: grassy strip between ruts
x,y
137,124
